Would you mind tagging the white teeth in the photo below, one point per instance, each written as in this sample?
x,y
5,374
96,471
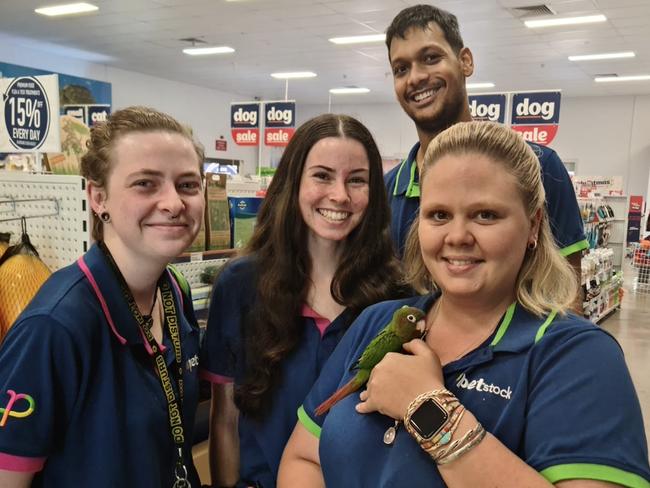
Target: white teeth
x,y
460,262
334,215
423,95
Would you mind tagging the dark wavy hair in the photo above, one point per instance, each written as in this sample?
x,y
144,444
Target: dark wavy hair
x,y
368,271
420,16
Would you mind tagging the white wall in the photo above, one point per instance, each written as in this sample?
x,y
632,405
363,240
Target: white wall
x,y
608,136
206,111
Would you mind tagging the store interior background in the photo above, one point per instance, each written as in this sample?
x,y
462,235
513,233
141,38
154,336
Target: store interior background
x,y
603,127
134,45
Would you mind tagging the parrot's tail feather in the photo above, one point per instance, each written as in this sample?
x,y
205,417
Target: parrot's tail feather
x,y
350,387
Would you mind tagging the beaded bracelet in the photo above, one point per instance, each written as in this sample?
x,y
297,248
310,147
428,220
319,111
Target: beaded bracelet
x,y
470,440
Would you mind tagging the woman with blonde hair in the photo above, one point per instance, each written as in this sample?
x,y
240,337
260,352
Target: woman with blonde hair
x,y
507,388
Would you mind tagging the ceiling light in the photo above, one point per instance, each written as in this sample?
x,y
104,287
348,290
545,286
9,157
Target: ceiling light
x,y
594,57
476,86
348,90
67,9
201,51
296,74
358,39
588,19
607,79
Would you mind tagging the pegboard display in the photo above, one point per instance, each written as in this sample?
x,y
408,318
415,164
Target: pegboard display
x,y
192,269
57,214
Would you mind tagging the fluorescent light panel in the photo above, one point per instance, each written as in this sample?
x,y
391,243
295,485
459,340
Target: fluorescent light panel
x,y
476,86
296,74
67,9
588,19
595,57
202,51
608,79
359,39
348,90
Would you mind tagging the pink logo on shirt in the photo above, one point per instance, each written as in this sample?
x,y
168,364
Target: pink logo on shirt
x,y
9,411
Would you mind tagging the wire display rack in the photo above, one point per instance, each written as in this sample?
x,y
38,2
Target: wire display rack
x,y
640,253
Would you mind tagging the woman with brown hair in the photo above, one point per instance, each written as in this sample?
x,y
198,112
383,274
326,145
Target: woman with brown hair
x,y
98,368
321,252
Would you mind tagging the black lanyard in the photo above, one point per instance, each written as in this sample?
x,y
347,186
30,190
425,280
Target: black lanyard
x,y
174,403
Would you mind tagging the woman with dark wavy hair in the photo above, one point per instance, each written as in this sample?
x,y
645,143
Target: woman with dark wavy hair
x,y
321,252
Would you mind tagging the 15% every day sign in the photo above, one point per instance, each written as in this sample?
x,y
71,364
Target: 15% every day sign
x,y
29,121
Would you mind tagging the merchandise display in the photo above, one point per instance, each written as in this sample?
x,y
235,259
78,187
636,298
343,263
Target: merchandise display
x,y
641,266
602,276
21,275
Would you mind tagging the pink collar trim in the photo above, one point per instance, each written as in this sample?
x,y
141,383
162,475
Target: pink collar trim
x,y
84,267
321,322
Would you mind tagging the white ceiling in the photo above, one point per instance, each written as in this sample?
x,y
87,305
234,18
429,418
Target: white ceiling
x,y
291,35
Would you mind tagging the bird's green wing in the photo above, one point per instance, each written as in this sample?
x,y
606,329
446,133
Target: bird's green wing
x,y
386,341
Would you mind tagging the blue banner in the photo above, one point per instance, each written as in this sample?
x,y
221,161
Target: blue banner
x,y
536,108
488,107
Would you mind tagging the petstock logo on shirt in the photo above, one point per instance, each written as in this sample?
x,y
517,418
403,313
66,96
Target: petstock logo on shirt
x,y
490,108
245,123
536,115
279,122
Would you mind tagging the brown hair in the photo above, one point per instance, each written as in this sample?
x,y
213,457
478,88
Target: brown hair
x,y
368,271
545,281
419,17
96,164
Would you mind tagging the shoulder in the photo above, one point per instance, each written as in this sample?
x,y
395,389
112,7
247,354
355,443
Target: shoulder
x,y
549,160
64,298
571,335
238,271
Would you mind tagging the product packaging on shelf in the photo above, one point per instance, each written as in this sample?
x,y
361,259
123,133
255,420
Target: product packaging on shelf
x,y
243,215
217,212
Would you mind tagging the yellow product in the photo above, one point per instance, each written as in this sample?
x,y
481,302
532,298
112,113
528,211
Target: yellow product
x,y
21,275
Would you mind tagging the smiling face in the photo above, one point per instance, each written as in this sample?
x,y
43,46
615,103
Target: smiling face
x,y
333,194
473,228
429,78
153,195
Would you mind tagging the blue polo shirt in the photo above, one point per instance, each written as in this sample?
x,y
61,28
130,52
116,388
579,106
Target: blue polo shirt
x,y
88,407
223,360
554,390
403,188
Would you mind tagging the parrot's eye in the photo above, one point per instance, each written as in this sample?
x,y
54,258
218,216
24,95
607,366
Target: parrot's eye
x,y
410,318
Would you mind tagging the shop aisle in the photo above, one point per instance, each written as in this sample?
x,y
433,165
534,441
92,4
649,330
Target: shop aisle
x,y
631,327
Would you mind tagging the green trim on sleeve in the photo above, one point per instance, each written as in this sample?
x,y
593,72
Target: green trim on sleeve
x,y
505,323
573,248
544,326
308,423
598,472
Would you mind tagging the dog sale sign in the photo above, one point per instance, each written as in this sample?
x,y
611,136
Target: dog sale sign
x,y
536,115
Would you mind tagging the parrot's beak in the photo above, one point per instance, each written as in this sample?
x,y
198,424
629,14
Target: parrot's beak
x,y
421,326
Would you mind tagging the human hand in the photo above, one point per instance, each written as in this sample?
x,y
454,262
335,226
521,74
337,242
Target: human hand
x,y
399,378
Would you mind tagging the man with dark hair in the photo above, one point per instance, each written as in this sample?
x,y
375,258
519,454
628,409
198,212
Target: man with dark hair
x,y
430,63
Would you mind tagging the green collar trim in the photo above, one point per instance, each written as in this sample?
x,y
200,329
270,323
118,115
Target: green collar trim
x,y
505,323
544,326
413,188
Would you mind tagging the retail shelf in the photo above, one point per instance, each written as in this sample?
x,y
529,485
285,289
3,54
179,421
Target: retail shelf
x,y
606,313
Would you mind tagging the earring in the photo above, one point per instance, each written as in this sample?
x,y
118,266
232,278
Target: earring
x,y
105,217
532,245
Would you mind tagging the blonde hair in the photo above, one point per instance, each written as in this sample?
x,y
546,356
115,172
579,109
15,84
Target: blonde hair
x,y
545,281
96,164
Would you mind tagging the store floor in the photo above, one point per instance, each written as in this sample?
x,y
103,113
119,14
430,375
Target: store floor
x,y
631,327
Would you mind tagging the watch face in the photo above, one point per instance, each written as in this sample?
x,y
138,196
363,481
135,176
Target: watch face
x,y
428,419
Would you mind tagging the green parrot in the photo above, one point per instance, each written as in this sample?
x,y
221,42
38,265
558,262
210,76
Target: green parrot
x,y
402,328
